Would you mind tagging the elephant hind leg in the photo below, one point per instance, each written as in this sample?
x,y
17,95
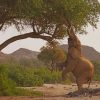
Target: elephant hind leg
x,y
89,82
80,87
79,84
83,80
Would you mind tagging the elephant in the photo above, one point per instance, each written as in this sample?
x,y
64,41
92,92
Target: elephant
x,y
76,63
83,72
82,69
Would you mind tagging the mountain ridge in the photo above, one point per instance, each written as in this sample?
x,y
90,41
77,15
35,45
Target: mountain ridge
x,y
24,53
87,51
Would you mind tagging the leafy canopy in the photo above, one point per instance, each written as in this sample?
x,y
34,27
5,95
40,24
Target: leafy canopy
x,y
52,55
52,17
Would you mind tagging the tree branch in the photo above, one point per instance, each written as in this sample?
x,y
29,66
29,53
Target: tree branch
x,y
23,36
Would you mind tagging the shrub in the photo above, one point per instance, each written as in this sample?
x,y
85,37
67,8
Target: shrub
x,y
48,76
97,71
32,76
7,86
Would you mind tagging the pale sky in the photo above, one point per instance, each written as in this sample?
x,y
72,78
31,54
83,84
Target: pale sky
x,y
91,39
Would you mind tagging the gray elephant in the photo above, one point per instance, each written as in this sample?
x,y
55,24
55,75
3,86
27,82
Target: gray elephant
x,y
76,63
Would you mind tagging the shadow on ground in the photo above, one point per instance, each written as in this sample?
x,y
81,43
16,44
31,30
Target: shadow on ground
x,y
85,92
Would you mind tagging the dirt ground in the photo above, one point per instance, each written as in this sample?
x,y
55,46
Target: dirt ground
x,y
55,92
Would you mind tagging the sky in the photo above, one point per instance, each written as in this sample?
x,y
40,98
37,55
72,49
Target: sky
x,y
91,39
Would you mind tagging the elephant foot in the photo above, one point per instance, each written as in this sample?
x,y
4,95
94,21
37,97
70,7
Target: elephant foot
x,y
81,92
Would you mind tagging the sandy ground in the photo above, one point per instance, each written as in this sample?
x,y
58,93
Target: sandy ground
x,y
55,92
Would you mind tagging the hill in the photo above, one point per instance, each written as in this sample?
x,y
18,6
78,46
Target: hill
x,y
88,52
21,56
24,53
2,56
21,53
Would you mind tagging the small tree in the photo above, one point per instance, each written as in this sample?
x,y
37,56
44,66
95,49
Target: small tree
x,y
52,55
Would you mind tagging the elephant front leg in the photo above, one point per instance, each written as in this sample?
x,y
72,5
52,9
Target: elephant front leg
x,y
65,72
67,68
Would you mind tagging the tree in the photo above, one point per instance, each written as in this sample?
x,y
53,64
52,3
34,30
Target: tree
x,y
52,55
49,19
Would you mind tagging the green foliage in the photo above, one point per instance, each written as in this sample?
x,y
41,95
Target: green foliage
x,y
25,76
97,71
14,76
77,12
33,76
52,55
7,86
48,14
48,76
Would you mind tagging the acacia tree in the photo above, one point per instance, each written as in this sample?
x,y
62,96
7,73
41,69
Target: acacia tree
x,y
49,19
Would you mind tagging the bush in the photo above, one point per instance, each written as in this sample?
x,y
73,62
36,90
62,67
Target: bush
x,y
97,71
25,77
32,76
48,76
19,76
7,86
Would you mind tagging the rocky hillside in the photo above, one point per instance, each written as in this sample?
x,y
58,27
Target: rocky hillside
x,y
87,51
24,53
2,56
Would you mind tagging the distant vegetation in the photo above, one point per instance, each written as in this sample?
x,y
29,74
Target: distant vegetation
x,y
8,85
52,55
17,75
97,71
12,76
